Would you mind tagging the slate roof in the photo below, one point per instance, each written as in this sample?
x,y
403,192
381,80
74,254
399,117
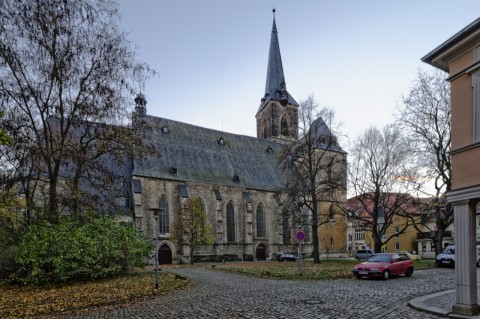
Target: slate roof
x,y
320,130
198,156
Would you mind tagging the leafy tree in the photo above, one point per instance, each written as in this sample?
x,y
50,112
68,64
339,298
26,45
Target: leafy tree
x,y
70,251
317,167
4,138
191,228
11,228
11,218
382,177
66,82
425,117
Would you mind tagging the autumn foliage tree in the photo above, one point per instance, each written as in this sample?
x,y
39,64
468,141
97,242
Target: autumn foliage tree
x,y
67,77
191,227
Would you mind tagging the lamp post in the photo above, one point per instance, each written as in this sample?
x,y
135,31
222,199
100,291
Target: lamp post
x,y
155,215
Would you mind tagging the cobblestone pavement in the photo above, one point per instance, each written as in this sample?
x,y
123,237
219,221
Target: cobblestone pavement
x,y
223,295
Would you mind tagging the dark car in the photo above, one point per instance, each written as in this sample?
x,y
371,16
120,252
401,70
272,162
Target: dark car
x,y
287,257
384,266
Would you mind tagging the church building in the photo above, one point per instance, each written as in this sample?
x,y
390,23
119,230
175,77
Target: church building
x,y
238,178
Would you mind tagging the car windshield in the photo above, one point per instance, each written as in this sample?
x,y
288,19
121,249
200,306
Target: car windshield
x,y
380,258
449,251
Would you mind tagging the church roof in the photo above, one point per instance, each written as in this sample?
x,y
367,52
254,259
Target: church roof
x,y
322,136
275,77
197,154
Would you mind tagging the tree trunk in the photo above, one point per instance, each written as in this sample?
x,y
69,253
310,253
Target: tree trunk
x,y
52,202
438,240
315,237
378,244
191,255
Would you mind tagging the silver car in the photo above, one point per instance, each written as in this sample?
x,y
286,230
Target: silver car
x,y
447,257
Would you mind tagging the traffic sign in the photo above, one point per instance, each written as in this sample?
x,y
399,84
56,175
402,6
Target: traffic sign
x,y
300,235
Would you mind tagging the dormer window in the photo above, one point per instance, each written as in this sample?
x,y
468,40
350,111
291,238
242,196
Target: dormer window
x,y
236,178
173,171
269,150
164,129
221,141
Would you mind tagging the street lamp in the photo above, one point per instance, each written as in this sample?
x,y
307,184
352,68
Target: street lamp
x,y
155,215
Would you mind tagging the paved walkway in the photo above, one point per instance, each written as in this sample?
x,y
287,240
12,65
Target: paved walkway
x,y
223,295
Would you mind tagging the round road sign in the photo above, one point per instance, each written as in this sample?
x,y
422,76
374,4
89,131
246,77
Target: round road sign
x,y
300,235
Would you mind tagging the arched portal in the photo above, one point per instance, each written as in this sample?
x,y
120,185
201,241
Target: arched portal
x,y
260,252
164,255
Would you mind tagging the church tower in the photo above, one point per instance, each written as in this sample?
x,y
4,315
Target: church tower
x,y
277,116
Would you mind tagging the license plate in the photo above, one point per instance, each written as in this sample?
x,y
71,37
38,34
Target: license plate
x,y
363,272
445,262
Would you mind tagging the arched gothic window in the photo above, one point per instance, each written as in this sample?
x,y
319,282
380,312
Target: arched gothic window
x,y
286,229
265,129
202,210
260,221
284,127
230,222
163,218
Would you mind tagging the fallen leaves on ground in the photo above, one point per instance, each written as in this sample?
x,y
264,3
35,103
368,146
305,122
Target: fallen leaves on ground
x,y
21,302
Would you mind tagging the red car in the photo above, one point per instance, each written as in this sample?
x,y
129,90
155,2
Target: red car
x,y
384,266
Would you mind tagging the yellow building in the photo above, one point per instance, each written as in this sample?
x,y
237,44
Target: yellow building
x,y
396,219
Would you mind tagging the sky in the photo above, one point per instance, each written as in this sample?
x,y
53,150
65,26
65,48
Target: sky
x,y
357,57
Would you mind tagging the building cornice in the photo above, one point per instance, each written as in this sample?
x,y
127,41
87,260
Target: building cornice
x,y
464,194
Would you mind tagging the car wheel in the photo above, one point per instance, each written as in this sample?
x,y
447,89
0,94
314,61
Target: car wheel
x,y
386,275
478,263
409,272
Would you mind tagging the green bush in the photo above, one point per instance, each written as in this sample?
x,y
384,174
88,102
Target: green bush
x,y
70,251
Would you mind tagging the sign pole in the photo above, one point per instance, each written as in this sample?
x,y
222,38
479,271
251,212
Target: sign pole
x,y
300,239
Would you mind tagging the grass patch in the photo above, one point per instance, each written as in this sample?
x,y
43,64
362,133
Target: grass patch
x,y
326,270
21,302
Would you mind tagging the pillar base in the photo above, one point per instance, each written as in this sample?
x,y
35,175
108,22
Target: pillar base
x,y
466,310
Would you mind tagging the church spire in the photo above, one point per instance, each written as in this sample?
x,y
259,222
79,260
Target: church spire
x,y
275,88
277,116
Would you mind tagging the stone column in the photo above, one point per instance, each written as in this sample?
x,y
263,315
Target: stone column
x,y
465,259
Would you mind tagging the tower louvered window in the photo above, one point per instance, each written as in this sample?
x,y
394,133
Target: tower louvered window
x,y
164,223
284,127
230,222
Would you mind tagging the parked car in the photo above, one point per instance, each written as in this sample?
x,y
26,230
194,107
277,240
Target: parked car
x,y
287,257
410,255
384,266
447,257
364,253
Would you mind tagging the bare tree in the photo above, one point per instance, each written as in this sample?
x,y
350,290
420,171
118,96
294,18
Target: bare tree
x,y
425,117
382,178
67,73
190,227
317,166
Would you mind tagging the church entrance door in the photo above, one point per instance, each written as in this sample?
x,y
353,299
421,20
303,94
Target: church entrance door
x,y
260,252
164,255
